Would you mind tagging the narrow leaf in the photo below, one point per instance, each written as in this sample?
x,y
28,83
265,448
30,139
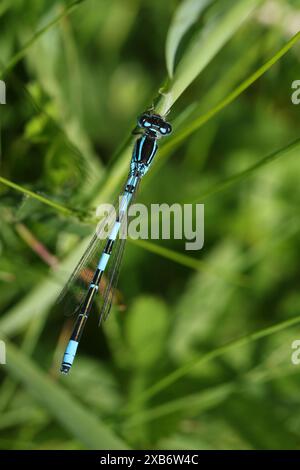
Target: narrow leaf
x,y
215,353
204,48
197,123
185,16
22,52
55,205
83,425
290,148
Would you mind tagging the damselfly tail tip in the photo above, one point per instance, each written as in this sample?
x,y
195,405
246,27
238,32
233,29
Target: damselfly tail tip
x,y
65,368
69,356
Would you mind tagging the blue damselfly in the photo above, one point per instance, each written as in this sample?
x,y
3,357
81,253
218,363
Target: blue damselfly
x,y
105,254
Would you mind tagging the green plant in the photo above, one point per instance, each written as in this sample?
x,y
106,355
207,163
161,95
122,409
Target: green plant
x,y
203,346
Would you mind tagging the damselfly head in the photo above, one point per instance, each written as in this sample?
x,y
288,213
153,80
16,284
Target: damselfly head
x,y
154,123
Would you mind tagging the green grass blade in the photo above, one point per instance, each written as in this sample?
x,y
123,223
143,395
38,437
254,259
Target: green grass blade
x,y
194,125
292,147
211,397
201,401
22,52
54,205
185,16
204,48
83,425
215,353
188,261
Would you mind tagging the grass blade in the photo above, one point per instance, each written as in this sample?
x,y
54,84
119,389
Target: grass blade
x,y
88,429
54,205
185,16
291,147
215,353
211,397
193,126
22,52
188,261
204,48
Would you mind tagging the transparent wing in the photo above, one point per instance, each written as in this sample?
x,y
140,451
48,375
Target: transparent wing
x,y
72,295
110,281
114,269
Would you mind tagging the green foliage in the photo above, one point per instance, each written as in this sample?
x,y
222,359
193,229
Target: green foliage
x,y
185,16
146,328
221,24
199,355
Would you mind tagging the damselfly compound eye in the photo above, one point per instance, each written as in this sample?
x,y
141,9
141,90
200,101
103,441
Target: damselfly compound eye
x,y
144,121
165,129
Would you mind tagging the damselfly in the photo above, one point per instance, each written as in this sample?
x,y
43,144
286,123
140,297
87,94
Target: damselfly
x,y
106,257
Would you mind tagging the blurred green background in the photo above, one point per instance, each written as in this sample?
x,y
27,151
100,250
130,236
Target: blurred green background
x,y
177,364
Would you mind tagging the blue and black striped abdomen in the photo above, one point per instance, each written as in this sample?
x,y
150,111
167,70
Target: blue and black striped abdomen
x,y
144,150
